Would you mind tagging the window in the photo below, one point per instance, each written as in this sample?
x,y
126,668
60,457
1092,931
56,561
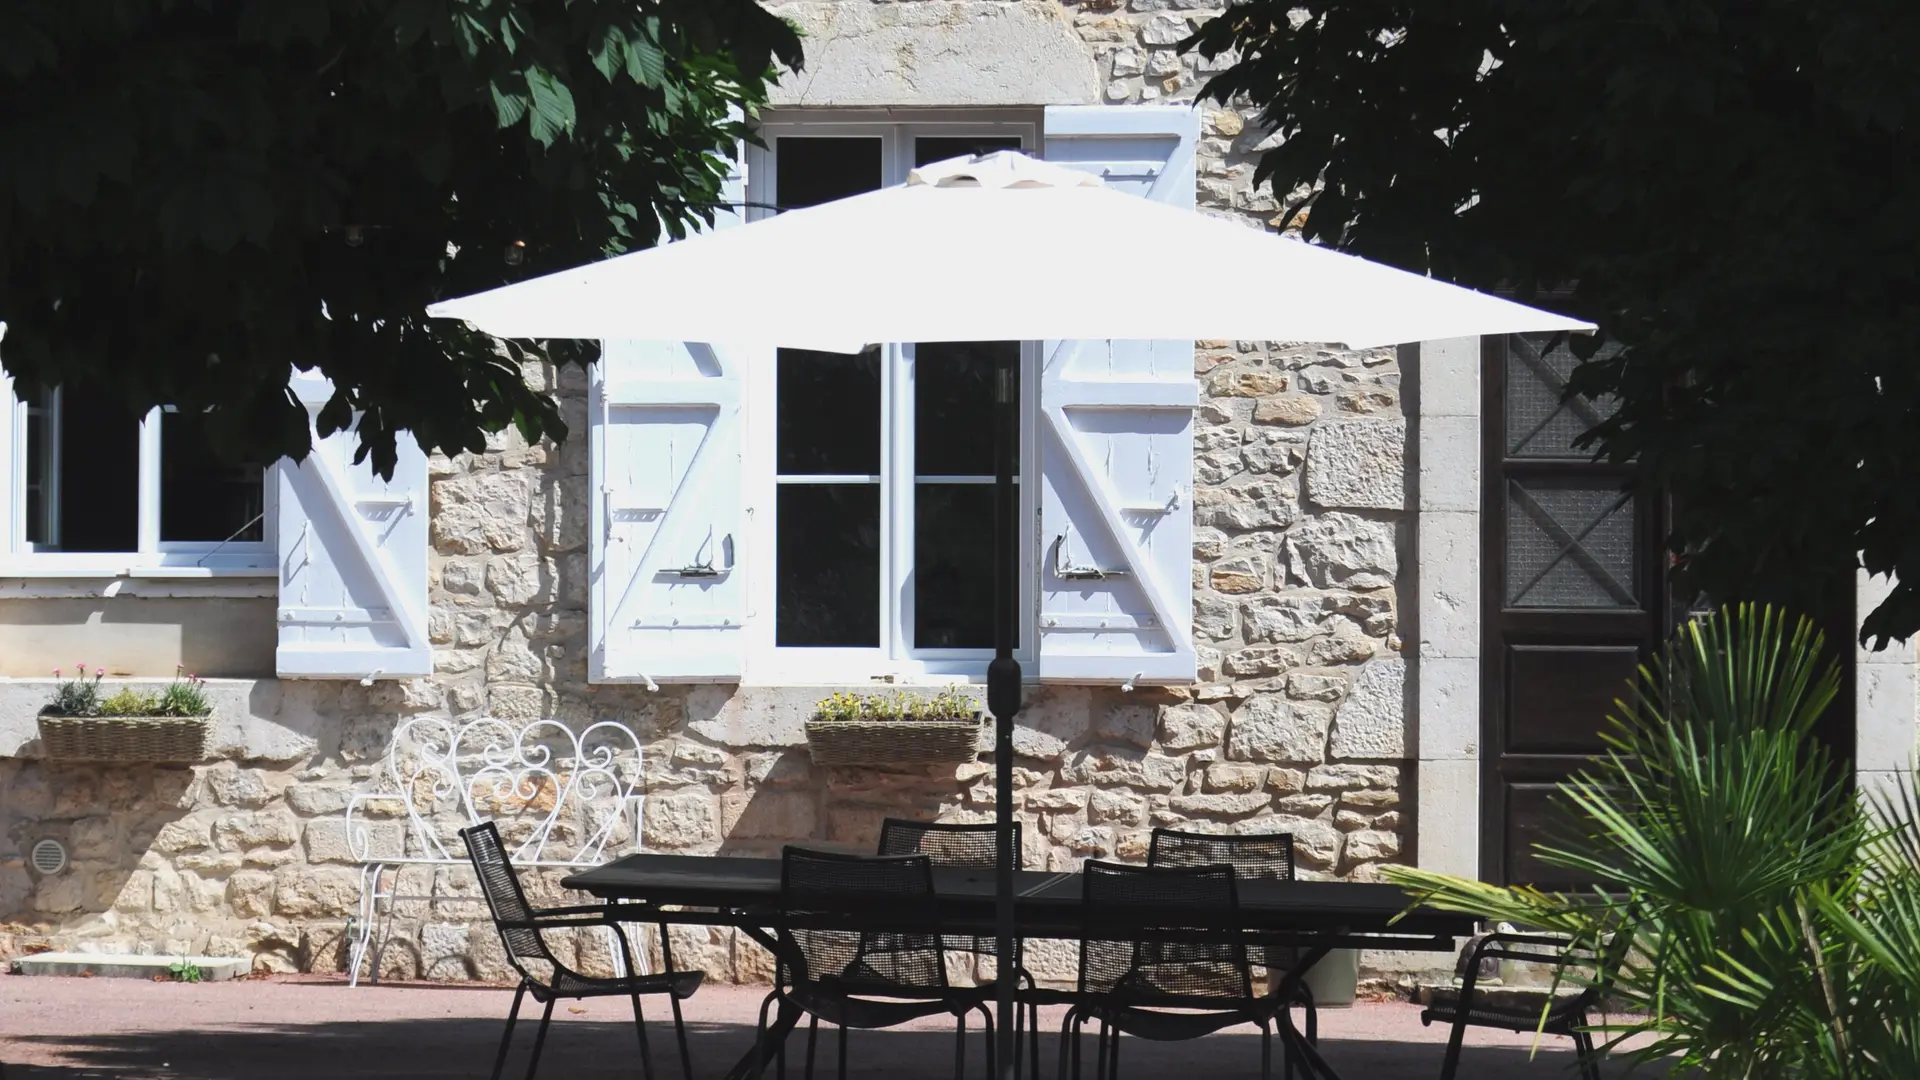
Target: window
x,y
96,484
881,463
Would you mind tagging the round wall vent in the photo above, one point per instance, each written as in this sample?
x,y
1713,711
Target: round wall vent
x,y
49,856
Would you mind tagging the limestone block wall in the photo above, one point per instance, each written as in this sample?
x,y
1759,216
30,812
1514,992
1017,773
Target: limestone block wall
x,y
1298,723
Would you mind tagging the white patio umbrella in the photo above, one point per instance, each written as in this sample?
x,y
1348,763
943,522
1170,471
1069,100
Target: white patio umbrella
x,y
970,250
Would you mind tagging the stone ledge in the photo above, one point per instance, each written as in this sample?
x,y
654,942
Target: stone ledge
x,y
111,966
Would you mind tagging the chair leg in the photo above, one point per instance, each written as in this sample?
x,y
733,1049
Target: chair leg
x,y
1069,1045
1451,1063
1113,1057
506,1037
813,1037
1100,1053
960,1045
540,1038
640,1027
760,1034
1266,1053
993,1048
1585,1056
680,1034
843,1052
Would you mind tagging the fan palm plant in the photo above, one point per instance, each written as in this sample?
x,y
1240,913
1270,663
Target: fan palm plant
x,y
1772,924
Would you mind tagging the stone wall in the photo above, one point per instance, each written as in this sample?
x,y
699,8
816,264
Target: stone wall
x,y
1298,722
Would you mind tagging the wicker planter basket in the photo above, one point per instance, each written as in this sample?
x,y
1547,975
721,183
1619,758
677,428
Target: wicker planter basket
x,y
892,742
125,738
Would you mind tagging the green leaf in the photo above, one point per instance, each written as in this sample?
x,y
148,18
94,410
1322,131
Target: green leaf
x,y
610,54
646,64
552,115
509,108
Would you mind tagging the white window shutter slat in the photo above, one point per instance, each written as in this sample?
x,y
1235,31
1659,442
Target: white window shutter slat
x,y
668,539
353,559
1116,443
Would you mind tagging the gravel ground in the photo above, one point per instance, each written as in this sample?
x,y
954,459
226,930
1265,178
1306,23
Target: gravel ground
x,y
313,1028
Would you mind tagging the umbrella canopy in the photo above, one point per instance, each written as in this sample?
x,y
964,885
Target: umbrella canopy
x,y
997,248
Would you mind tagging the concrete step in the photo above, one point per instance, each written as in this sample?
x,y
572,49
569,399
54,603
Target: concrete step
x,y
116,966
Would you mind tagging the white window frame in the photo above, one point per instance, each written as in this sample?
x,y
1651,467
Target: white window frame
x,y
894,660
152,557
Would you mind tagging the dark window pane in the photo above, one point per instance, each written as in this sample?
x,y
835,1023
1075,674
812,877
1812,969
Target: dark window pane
x,y
953,566
39,460
99,489
812,171
827,408
829,565
201,496
1570,546
1541,420
953,406
929,149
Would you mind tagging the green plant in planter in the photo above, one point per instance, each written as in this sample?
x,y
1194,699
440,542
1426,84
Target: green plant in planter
x,y
185,696
78,696
947,705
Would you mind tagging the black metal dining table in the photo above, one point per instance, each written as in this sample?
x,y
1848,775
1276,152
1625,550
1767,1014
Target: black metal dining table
x,y
1312,916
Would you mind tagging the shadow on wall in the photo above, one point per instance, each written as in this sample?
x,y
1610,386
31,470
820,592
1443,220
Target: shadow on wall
x,y
138,636
107,818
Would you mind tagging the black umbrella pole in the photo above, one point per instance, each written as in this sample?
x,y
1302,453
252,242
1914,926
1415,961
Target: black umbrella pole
x,y
1003,697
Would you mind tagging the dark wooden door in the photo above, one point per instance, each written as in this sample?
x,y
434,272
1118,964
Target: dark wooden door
x,y
1574,597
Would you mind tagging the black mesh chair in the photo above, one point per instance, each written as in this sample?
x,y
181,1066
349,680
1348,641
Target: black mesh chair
x,y
1154,988
853,951
1525,1009
1254,857
952,845
523,928
972,845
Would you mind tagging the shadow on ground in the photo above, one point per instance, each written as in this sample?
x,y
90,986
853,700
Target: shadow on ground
x,y
580,1049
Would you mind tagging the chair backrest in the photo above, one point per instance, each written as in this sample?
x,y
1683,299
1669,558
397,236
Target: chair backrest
x,y
947,844
1166,898
827,885
505,898
571,791
1254,857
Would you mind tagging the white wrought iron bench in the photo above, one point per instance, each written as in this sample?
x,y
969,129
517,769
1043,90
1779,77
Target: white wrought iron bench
x,y
559,796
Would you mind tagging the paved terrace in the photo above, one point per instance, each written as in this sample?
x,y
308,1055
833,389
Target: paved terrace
x,y
296,1028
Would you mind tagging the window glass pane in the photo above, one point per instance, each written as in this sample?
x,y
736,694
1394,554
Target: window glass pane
x,y
39,460
98,474
929,149
827,412
810,171
953,566
1541,420
1570,546
953,406
829,565
202,497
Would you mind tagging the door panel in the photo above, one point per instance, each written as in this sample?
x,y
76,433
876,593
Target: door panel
x,y
1574,598
1559,696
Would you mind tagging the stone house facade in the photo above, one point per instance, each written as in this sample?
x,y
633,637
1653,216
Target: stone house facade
x,y
1332,575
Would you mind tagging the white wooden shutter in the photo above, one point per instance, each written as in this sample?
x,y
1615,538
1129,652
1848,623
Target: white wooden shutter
x,y
353,559
668,538
1116,442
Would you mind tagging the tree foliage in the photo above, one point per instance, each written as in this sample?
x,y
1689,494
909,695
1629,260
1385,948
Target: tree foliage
x,y
1724,185
197,194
